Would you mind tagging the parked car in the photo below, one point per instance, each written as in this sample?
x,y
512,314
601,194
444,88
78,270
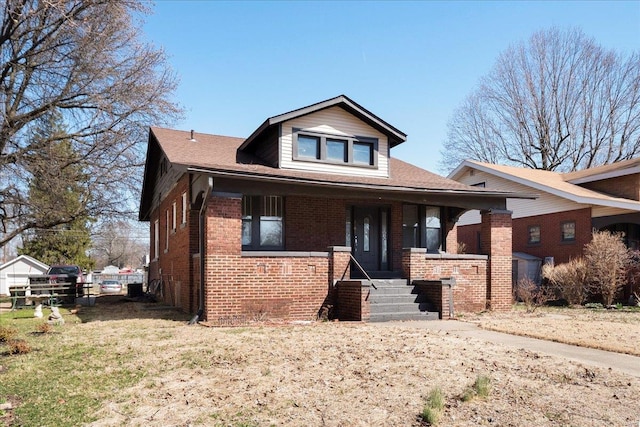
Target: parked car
x,y
110,287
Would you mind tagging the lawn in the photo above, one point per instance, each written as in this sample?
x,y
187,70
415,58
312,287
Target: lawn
x,y
124,363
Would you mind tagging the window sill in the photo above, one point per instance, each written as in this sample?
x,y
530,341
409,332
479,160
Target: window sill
x,y
334,163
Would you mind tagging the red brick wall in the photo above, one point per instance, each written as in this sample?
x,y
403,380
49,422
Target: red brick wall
x,y
174,260
354,301
627,186
551,243
550,235
470,272
241,289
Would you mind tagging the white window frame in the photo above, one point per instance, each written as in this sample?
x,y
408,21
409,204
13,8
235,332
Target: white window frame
x,y
174,216
184,208
166,229
156,238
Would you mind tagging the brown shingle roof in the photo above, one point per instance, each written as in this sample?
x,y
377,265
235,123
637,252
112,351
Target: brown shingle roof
x,y
215,152
552,182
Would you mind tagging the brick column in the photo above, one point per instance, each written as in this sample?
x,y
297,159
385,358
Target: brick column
x,y
413,263
223,248
495,241
339,263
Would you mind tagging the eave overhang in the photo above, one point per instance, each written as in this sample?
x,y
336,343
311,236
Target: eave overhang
x,y
395,136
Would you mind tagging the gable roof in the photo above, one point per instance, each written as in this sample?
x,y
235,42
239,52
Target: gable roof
x,y
550,182
625,167
27,260
395,136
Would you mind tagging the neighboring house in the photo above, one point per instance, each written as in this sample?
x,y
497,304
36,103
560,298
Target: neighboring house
x,y
18,270
558,224
271,226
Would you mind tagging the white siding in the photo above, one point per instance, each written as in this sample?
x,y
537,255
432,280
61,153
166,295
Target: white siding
x,y
598,211
333,121
545,203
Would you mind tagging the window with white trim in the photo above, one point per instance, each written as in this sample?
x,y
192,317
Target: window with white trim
x,y
174,216
166,231
184,208
156,239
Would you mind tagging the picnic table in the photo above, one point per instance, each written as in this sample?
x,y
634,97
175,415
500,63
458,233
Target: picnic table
x,y
53,293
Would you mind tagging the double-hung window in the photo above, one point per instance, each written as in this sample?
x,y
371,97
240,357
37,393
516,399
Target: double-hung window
x,y
262,222
334,149
184,208
421,227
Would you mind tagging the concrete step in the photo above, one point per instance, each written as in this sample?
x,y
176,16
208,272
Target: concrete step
x,y
400,307
386,317
393,298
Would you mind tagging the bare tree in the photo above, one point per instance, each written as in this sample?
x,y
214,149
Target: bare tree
x,y
86,61
115,243
558,102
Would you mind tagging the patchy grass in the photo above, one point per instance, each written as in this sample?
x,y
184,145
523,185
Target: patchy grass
x,y
133,364
479,389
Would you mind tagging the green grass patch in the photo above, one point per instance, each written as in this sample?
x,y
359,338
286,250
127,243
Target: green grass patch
x,y
63,378
481,388
433,407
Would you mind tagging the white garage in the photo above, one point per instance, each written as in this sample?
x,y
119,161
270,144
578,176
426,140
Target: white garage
x,y
18,270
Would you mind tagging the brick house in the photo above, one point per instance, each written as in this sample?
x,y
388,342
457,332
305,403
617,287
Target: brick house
x,y
559,222
310,214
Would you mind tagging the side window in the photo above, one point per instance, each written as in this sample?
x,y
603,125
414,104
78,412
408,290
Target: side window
x,y
184,208
156,239
174,216
262,222
534,234
568,230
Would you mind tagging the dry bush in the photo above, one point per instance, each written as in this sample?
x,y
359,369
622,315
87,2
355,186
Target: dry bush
x,y
44,328
7,333
17,346
531,294
607,258
568,280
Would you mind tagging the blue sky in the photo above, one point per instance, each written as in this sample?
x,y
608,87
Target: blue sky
x,y
410,63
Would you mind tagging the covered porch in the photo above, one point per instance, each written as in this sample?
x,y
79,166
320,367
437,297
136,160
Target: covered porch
x,y
299,251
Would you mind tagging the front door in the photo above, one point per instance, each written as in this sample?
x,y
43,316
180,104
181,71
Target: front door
x,y
369,242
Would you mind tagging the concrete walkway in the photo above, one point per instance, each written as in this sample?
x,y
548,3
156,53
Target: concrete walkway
x,y
604,359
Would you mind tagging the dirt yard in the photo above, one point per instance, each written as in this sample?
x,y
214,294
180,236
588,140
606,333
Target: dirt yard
x,y
351,374
344,373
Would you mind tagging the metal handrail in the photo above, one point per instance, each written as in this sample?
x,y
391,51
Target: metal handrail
x,y
355,261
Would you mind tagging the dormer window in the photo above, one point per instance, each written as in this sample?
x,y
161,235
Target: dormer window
x,y
346,150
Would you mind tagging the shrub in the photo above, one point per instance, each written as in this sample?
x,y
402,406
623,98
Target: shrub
x,y
568,280
7,333
17,346
480,388
433,407
44,328
607,258
531,294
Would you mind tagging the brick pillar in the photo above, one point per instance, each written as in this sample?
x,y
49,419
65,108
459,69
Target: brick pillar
x,y
339,263
223,248
413,263
451,246
495,241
